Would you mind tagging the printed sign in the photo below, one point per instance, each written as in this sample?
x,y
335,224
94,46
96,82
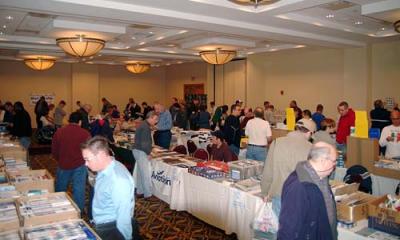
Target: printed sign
x,y
34,98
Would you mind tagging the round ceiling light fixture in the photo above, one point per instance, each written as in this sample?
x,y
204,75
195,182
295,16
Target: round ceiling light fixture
x,y
39,64
137,67
254,3
80,46
396,26
217,56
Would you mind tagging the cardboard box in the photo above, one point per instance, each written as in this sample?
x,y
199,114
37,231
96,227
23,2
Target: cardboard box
x,y
341,188
25,186
362,151
276,133
383,219
11,234
354,207
9,225
17,152
91,234
49,218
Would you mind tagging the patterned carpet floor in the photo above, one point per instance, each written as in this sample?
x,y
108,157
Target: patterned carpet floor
x,y
155,218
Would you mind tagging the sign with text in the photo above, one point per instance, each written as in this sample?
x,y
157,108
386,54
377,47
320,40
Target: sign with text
x,y
34,98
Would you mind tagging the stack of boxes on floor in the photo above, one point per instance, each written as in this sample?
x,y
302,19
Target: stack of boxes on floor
x,y
29,207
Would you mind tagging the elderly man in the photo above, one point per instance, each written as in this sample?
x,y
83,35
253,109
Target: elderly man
x,y
113,200
308,205
283,155
390,137
141,152
162,137
259,132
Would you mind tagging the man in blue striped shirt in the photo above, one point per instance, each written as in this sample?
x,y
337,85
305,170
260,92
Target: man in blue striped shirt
x,y
163,135
113,201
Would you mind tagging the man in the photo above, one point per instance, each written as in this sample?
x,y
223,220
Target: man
x,y
346,121
232,129
84,111
65,148
106,105
212,108
8,115
390,137
380,117
113,200
248,114
141,152
283,155
146,109
260,135
21,125
192,111
307,117
162,137
317,117
132,109
59,114
41,109
308,206
219,149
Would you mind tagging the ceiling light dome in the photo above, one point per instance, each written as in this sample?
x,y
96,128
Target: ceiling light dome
x,y
217,56
137,67
39,64
396,26
254,3
81,46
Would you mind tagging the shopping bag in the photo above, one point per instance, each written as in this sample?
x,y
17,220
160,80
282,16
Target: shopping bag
x,y
266,219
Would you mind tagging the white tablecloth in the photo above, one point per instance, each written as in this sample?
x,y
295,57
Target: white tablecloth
x,y
201,138
380,185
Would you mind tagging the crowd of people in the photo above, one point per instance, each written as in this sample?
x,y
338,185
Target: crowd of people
x,y
296,166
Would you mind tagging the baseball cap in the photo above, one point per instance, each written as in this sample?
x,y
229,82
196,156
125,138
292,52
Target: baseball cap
x,y
304,124
218,134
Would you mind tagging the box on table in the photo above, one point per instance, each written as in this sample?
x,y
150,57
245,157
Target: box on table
x,y
354,207
17,152
383,219
362,151
244,169
9,224
341,188
51,217
42,184
56,229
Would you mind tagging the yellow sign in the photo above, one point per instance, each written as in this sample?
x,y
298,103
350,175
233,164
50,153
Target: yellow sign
x,y
361,124
290,119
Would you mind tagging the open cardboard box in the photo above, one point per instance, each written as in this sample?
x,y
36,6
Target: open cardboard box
x,y
341,188
17,152
10,225
25,186
354,207
27,221
383,219
15,232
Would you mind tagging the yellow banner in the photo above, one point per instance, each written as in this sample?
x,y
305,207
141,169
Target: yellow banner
x,y
290,119
361,124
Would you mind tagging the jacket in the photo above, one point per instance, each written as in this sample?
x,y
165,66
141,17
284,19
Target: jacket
x,y
303,212
283,155
344,124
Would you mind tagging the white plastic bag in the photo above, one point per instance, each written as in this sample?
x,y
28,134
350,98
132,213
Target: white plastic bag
x,y
266,219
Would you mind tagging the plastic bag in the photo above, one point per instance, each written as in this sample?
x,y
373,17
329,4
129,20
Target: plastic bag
x,y
266,219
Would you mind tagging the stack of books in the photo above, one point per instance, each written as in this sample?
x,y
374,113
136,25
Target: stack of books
x,y
24,178
8,212
11,164
45,205
10,235
8,191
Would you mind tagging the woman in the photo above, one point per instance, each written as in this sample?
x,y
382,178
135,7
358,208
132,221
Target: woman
x,y
325,133
22,125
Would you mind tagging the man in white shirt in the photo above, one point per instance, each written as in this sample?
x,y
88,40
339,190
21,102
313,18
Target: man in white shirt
x,y
390,137
259,132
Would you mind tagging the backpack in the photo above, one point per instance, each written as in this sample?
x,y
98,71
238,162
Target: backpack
x,y
359,174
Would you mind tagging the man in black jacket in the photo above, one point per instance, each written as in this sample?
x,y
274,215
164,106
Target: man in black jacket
x,y
232,129
22,125
41,109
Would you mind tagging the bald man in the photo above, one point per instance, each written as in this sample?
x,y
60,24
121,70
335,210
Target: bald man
x,y
390,137
308,206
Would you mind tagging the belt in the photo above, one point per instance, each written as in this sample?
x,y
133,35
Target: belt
x,y
261,146
168,130
107,224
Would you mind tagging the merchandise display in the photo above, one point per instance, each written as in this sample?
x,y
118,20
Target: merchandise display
x,y
76,230
244,169
8,212
10,235
388,163
206,172
8,191
11,164
249,185
45,205
392,203
384,214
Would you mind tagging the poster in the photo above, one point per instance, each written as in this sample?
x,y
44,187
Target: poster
x,y
34,97
290,119
361,124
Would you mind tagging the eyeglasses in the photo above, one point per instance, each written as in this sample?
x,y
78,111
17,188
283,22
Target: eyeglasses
x,y
90,159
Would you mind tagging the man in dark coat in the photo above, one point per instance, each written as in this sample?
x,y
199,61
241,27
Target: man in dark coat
x,y
41,109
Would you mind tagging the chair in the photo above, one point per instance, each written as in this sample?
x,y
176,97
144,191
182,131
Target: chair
x,y
359,174
180,149
201,154
209,149
191,147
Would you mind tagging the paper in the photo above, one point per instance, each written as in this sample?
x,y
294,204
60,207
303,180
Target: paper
x,y
361,124
290,119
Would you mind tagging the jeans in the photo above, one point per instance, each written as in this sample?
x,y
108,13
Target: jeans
x,y
78,176
235,149
163,138
109,231
25,142
256,153
143,169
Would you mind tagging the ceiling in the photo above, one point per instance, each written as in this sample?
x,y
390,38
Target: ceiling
x,y
165,32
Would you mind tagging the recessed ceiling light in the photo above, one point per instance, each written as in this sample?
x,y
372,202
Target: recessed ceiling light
x,y
330,16
168,64
318,24
283,17
371,35
383,29
347,30
179,62
299,46
358,22
267,45
250,53
4,26
273,50
143,49
100,55
1,33
171,52
183,31
160,38
133,38
9,18
151,32
142,43
171,45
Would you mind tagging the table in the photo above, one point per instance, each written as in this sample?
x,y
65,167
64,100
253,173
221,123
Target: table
x,y
380,185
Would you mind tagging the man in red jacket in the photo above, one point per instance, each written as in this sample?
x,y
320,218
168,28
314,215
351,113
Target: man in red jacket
x,y
66,150
346,121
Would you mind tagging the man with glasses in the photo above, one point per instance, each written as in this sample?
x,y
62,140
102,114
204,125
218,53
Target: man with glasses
x,y
390,137
113,201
